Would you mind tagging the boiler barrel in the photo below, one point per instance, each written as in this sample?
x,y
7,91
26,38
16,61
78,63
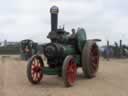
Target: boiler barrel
x,y
68,50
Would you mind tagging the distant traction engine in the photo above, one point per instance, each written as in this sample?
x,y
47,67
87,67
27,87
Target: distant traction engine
x,y
27,49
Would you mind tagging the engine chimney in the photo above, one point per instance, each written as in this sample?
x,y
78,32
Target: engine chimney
x,y
120,44
54,10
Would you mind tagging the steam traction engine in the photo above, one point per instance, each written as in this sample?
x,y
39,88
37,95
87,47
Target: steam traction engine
x,y
27,49
65,53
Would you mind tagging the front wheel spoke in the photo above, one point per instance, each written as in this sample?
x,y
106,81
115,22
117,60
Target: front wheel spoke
x,y
39,65
34,76
38,75
32,71
72,77
70,70
36,63
33,66
70,62
74,67
33,62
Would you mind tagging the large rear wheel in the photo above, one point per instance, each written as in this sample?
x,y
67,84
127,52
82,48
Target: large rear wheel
x,y
90,59
69,71
35,69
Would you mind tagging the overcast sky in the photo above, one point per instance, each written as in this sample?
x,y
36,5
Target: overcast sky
x,y
104,19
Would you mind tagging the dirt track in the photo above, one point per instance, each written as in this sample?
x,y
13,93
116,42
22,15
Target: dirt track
x,y
111,80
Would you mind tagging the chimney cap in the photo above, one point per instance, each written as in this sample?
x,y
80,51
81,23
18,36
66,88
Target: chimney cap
x,y
54,9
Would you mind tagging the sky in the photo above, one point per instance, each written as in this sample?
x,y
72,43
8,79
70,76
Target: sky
x,y
30,19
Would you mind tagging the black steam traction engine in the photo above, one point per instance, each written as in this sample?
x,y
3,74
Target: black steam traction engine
x,y
65,53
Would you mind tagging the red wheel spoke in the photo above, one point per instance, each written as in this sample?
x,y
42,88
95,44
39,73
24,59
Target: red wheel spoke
x,y
36,63
33,66
94,57
32,71
38,74
34,76
33,62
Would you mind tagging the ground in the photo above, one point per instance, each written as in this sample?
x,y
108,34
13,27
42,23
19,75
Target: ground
x,y
111,80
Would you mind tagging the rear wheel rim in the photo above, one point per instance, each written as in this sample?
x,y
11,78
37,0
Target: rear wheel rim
x,y
71,72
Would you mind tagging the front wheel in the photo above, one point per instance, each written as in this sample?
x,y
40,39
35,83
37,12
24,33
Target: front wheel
x,y
69,71
35,69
